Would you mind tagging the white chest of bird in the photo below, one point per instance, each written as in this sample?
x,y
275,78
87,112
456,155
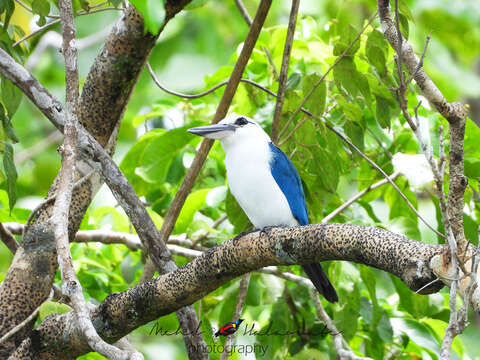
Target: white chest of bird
x,y
252,184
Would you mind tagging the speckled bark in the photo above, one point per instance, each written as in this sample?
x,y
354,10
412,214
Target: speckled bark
x,y
121,313
457,183
105,95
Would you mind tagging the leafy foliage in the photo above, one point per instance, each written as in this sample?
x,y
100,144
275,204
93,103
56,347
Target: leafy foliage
x,y
377,314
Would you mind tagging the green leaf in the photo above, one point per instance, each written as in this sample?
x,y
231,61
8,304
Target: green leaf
x,y
376,50
131,159
346,319
51,307
11,96
41,8
345,74
368,279
11,172
471,229
292,101
194,202
316,103
472,166
159,154
404,26
404,10
153,12
351,110
414,304
195,4
254,293
7,125
384,328
293,81
419,333
349,33
383,112
7,6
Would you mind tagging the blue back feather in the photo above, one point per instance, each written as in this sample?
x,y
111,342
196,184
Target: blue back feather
x,y
289,182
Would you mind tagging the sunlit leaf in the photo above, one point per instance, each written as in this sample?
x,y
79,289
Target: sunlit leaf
x,y
153,12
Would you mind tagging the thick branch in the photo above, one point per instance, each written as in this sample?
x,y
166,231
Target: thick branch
x,y
121,313
105,95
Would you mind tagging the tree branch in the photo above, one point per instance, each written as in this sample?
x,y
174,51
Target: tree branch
x,y
282,80
242,295
71,287
341,346
121,313
8,239
105,95
357,196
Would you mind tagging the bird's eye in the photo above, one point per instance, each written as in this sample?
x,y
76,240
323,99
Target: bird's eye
x,y
241,121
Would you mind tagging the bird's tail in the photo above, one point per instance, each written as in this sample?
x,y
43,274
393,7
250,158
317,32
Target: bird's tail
x,y
320,280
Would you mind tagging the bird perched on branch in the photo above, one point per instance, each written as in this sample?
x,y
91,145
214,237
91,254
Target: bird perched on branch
x,y
264,181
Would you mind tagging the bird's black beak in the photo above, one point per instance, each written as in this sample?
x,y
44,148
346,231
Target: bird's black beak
x,y
217,131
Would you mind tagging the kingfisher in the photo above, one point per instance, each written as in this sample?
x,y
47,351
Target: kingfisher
x,y
264,182
229,328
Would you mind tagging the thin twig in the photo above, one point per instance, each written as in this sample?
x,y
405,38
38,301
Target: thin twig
x,y
337,61
248,19
303,121
243,11
282,80
381,171
8,239
202,237
242,295
357,196
20,326
344,352
56,21
420,63
53,138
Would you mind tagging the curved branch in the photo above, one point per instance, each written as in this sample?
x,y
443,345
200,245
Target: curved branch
x,y
121,313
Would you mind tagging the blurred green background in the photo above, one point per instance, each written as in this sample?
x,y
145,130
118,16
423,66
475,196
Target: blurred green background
x,y
196,51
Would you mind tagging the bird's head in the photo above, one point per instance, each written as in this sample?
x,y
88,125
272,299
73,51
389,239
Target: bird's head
x,y
238,322
232,129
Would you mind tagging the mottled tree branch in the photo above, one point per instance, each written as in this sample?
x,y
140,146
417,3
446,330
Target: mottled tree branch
x,y
105,94
71,287
122,312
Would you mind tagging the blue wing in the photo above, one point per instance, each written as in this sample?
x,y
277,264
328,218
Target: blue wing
x,y
289,182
